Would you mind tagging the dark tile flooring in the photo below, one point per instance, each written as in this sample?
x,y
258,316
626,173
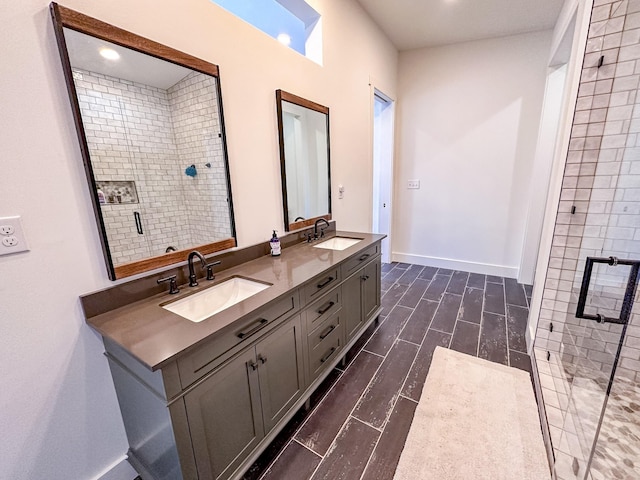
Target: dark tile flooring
x,y
360,416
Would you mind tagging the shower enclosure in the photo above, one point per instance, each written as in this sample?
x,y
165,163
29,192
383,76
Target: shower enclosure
x,y
587,345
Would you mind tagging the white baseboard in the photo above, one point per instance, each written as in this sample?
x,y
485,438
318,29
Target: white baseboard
x,y
485,268
120,471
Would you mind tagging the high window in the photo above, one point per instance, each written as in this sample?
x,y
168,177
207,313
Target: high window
x,y
292,22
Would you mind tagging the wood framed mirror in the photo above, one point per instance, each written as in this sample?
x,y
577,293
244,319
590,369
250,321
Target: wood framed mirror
x,y
303,130
150,124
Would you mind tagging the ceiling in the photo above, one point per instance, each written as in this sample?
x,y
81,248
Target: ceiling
x,y
133,66
413,24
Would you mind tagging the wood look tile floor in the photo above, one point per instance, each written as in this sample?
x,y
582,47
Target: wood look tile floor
x,y
360,416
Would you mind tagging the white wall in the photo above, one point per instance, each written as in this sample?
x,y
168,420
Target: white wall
x,y
58,413
468,123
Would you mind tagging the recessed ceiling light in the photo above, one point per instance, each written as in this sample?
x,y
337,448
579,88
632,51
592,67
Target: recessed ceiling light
x,y
284,39
109,53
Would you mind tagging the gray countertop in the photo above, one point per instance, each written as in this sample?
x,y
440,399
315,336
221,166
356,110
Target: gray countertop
x,y
156,336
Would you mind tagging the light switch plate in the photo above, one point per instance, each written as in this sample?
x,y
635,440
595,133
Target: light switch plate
x,y
12,238
414,184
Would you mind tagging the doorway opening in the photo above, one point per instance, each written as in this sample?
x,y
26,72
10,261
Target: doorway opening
x,y
383,132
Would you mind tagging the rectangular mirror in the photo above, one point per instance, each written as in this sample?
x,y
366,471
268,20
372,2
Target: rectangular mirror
x,y
303,129
151,131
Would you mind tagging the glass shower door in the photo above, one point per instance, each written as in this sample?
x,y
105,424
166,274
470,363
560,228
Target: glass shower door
x,y
587,345
592,343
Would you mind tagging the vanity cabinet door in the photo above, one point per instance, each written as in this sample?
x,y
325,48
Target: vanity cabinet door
x,y
225,418
280,371
371,288
352,305
361,297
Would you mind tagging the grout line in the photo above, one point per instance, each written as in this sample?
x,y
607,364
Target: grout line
x,y
467,321
484,296
374,353
506,320
368,424
375,446
407,398
455,326
308,448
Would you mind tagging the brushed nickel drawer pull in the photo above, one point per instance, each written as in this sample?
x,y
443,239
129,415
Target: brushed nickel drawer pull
x,y
324,310
327,332
328,355
364,257
261,323
326,282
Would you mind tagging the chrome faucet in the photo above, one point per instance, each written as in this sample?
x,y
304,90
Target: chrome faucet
x,y
315,228
193,282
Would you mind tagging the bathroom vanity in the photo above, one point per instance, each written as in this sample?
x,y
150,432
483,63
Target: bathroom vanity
x,y
201,400
206,375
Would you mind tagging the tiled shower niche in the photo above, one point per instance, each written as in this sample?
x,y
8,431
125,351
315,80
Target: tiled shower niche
x,y
595,435
128,125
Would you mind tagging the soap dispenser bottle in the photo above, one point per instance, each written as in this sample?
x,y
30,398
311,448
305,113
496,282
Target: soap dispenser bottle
x,y
275,245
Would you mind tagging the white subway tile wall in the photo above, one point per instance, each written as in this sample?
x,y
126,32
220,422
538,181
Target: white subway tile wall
x,y
131,125
198,135
602,181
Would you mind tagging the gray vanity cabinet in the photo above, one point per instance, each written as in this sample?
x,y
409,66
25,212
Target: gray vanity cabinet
x,y
280,371
371,288
209,413
363,291
352,310
230,411
225,419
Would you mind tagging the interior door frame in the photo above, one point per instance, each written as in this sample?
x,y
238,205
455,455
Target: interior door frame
x,y
378,89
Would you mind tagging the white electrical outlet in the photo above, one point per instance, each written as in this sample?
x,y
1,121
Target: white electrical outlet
x,y
413,184
7,229
10,241
12,238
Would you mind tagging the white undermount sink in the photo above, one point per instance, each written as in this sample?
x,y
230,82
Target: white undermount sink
x,y
338,243
214,299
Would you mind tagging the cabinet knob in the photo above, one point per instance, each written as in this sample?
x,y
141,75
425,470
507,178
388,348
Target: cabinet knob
x,y
365,278
253,365
262,359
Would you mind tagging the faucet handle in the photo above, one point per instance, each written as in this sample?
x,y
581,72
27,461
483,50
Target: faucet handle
x,y
209,267
173,285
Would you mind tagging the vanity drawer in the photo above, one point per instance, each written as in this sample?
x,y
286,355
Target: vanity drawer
x,y
360,259
211,354
323,333
321,284
322,308
327,350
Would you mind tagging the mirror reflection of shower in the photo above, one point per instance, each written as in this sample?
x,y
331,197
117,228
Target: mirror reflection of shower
x,y
304,155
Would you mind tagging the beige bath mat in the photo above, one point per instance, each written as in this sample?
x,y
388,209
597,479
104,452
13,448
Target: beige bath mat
x,y
475,420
